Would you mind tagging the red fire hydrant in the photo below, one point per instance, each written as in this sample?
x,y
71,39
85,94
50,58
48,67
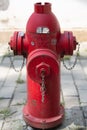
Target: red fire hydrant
x,y
43,45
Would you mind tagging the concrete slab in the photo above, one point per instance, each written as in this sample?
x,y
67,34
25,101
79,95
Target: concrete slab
x,y
4,103
71,101
19,98
74,93
1,124
7,92
83,96
81,84
13,125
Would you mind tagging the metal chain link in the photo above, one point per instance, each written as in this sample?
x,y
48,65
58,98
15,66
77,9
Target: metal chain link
x,y
12,64
43,87
75,62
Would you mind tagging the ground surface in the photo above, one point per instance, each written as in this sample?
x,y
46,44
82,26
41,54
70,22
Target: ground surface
x,y
13,92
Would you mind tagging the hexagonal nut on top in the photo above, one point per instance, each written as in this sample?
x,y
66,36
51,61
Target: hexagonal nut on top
x,y
43,68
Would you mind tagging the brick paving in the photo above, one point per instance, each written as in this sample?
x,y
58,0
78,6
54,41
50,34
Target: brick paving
x,y
13,93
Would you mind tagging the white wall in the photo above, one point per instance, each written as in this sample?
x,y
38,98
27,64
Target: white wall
x,y
70,13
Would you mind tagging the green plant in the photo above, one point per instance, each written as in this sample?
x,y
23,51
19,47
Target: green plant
x,y
19,80
5,112
18,104
67,57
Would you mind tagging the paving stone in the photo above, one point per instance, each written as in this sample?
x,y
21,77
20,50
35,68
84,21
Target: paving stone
x,y
74,115
86,123
83,96
68,89
15,113
1,117
66,78
22,88
24,73
13,73
4,103
71,101
1,84
81,84
1,123
67,84
6,61
6,92
84,65
83,104
10,83
1,59
84,108
15,120
66,74
11,78
73,120
78,73
3,72
3,48
18,61
13,125
19,98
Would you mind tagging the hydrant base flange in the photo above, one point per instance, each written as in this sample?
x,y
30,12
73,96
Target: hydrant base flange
x,y
43,123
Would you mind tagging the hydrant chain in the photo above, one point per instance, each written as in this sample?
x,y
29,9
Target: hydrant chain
x,y
76,58
12,64
43,87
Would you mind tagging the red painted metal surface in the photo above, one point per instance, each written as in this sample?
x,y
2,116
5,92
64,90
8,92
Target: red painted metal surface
x,y
43,46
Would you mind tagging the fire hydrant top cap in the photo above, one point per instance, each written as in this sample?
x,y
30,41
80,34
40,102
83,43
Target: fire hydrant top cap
x,y
42,8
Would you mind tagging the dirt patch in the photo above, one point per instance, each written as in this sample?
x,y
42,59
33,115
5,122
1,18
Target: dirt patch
x,y
80,34
5,36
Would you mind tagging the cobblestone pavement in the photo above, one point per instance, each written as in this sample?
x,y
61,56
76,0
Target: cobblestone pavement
x,y
13,93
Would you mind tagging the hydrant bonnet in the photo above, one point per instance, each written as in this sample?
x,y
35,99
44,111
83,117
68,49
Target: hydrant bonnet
x,y
42,17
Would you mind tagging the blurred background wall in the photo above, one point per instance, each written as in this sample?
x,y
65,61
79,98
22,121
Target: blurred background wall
x,y
72,14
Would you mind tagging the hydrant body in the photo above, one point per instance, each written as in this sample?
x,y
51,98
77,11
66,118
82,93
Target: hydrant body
x,y
43,45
